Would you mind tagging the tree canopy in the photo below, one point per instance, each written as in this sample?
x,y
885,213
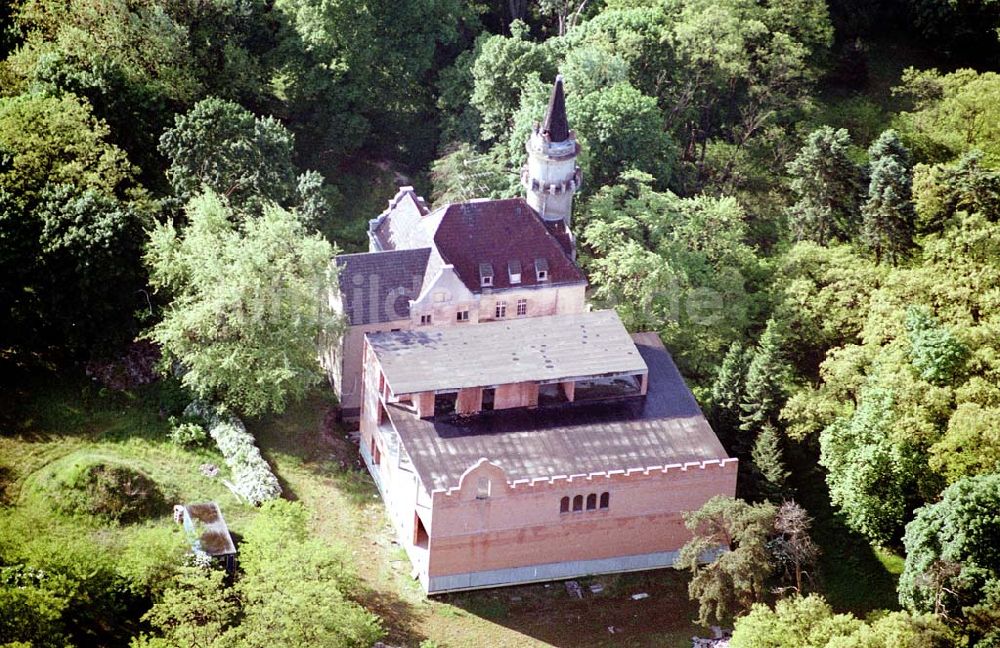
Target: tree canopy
x,y
247,303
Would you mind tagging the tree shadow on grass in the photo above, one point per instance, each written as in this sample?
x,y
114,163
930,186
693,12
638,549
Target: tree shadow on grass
x,y
548,612
400,618
851,576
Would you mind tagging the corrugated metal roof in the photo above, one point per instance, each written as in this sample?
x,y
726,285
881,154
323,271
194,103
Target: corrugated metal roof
x,y
506,351
664,427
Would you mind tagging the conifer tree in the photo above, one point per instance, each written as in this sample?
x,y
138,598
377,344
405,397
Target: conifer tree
x,y
770,465
728,392
888,215
763,392
827,185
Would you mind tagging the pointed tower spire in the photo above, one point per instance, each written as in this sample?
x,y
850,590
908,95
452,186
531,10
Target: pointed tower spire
x,y
556,126
552,176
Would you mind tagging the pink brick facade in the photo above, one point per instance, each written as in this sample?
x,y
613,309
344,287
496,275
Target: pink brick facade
x,y
489,529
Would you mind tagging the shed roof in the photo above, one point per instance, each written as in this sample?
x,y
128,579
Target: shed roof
x,y
208,528
506,351
377,287
664,427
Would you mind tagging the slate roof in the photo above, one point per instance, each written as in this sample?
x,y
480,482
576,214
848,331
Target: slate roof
x,y
556,125
499,232
558,347
376,286
664,427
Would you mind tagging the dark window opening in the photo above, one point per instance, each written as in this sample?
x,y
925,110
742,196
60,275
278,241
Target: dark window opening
x,y
551,394
489,397
420,536
600,388
376,455
604,500
425,319
591,501
578,503
564,505
444,404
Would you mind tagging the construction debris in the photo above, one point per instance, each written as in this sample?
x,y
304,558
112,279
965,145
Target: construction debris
x,y
639,596
573,588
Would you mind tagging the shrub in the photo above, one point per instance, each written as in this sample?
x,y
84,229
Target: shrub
x,y
112,492
186,433
251,474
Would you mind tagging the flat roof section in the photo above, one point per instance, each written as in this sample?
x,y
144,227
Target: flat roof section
x,y
664,427
532,349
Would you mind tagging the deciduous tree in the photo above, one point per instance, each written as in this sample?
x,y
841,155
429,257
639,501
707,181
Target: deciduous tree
x,y
247,304
959,530
792,547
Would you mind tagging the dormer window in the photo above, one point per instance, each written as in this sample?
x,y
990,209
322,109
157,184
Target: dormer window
x,y
542,269
514,270
485,274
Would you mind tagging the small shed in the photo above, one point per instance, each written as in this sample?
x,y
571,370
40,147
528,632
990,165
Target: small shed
x,y
207,531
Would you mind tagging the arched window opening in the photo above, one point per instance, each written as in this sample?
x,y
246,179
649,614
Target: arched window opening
x,y
591,501
578,503
564,505
483,488
604,500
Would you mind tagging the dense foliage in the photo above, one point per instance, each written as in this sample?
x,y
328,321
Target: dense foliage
x,y
809,622
820,254
247,303
293,591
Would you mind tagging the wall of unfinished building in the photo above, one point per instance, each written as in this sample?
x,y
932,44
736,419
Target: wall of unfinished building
x,y
519,534
343,363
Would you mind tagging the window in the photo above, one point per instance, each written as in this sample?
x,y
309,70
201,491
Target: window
x,y
578,503
483,488
462,315
542,269
425,319
591,501
604,500
376,455
501,310
564,505
489,397
444,404
522,307
514,271
485,274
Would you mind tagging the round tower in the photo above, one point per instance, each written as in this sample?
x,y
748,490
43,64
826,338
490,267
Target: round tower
x,y
551,176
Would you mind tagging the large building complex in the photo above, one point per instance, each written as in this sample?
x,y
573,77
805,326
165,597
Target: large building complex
x,y
515,436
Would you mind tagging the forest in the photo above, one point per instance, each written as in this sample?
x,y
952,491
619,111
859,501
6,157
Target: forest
x,y
802,197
